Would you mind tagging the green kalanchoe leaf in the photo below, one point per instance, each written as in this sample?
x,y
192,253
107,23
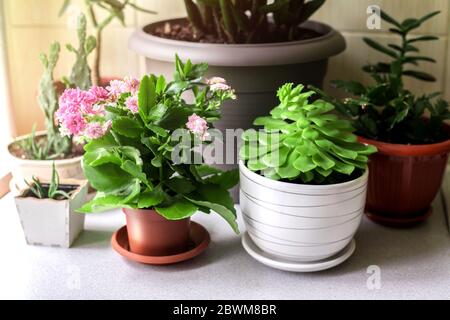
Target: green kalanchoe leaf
x,y
314,146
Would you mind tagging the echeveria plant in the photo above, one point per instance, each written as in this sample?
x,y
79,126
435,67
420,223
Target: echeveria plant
x,y
136,156
304,142
247,21
386,110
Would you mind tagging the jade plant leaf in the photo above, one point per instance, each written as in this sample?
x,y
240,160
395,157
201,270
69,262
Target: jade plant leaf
x,y
303,140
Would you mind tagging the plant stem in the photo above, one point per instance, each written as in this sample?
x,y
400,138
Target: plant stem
x,y
96,66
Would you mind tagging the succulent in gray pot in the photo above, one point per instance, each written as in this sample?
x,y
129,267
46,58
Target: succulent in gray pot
x,y
256,45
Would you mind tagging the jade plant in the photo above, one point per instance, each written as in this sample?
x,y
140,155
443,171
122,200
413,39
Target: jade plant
x,y
302,141
50,191
247,21
141,143
386,110
114,9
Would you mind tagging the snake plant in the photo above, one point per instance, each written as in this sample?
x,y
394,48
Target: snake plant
x,y
303,141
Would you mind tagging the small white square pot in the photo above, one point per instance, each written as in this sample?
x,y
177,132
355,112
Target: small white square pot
x,y
49,222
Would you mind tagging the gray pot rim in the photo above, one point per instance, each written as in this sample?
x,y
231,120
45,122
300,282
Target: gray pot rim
x,y
241,55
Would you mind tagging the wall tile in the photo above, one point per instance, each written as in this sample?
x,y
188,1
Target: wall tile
x,y
45,13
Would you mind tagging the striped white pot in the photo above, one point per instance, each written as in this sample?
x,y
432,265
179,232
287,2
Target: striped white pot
x,y
301,222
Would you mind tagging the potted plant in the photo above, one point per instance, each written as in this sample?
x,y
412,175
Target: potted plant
x,y
303,179
245,41
47,211
141,145
35,154
409,131
112,10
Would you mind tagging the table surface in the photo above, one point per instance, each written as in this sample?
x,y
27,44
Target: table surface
x,y
414,264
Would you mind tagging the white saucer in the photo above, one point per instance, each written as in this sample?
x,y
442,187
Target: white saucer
x,y
295,266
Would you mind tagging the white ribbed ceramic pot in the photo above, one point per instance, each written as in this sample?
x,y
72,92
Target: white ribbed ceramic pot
x,y
25,169
301,222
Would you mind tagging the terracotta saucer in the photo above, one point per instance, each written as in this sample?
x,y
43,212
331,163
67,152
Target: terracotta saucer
x,y
399,221
200,240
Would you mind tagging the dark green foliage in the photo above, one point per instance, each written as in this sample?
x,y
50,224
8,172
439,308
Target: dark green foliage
x,y
246,21
386,110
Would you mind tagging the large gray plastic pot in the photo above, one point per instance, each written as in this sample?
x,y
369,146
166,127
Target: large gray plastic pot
x,y
255,71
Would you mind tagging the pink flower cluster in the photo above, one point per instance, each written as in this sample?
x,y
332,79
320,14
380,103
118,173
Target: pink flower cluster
x,y
81,113
76,106
118,87
198,126
218,84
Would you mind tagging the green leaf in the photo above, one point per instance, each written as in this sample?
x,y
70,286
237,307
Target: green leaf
x,y
106,177
389,19
423,38
157,112
304,164
157,130
146,96
150,199
323,161
352,87
102,156
377,46
127,127
180,209
288,170
225,180
419,75
135,170
180,185
224,212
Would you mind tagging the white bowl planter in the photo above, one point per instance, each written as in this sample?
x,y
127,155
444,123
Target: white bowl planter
x,y
49,222
298,222
255,71
24,169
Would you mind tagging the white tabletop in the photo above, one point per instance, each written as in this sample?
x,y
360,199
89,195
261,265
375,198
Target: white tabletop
x,y
414,264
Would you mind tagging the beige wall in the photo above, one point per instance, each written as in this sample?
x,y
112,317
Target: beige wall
x,y
31,25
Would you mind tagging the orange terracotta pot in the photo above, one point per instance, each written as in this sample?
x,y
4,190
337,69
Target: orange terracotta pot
x,y
404,180
150,234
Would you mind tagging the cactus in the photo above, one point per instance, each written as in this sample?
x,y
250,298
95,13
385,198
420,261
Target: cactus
x,y
80,76
56,145
246,21
115,10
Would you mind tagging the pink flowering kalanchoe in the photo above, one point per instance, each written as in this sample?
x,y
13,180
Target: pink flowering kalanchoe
x,y
81,113
198,126
132,104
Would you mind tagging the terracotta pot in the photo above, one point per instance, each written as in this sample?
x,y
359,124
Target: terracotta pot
x,y
404,180
255,71
151,234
